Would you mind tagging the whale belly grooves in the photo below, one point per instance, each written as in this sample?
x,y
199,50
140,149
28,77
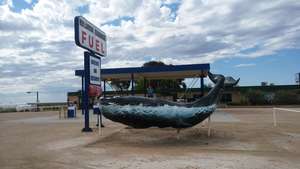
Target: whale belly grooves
x,y
139,116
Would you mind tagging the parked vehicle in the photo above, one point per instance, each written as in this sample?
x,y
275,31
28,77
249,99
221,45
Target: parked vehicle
x,y
25,107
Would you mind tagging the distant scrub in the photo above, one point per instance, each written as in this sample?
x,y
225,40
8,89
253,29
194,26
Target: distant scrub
x,y
5,110
282,97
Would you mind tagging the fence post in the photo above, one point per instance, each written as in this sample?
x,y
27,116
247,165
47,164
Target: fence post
x,y
208,132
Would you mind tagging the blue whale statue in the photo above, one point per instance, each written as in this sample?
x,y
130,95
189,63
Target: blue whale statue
x,y
143,112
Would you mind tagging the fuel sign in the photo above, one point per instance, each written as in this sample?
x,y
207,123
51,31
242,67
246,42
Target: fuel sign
x,y
89,37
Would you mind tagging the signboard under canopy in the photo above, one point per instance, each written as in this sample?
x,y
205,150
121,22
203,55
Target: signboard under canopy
x,y
95,69
89,37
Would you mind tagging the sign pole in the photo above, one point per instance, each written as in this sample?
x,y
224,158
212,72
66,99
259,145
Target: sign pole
x,y
82,91
85,93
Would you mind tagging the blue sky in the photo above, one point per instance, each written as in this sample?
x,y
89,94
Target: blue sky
x,y
254,40
279,68
18,5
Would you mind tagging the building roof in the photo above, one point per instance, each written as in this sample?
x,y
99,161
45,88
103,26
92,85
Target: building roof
x,y
264,88
229,89
156,72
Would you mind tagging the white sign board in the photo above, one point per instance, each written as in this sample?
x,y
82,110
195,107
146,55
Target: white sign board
x,y
89,37
95,67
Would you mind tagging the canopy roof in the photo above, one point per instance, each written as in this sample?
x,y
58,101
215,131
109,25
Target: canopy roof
x,y
156,72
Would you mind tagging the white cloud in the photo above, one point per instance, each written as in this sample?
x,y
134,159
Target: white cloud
x,y
165,12
39,41
245,65
28,1
171,1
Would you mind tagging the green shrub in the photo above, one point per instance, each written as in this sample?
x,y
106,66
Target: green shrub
x,y
256,97
286,97
9,109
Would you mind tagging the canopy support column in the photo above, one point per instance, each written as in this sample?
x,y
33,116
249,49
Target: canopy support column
x,y
132,84
104,88
202,84
145,87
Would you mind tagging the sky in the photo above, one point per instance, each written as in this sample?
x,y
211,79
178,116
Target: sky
x,y
256,40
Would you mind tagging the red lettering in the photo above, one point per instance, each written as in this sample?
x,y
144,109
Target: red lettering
x,y
97,45
102,48
91,41
83,37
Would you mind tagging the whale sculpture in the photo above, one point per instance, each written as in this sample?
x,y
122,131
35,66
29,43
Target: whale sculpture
x,y
143,112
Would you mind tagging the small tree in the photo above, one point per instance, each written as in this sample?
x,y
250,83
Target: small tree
x,y
120,85
162,86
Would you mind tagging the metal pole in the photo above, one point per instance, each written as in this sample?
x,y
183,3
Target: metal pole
x,y
98,121
82,84
82,91
145,87
299,79
37,101
99,125
104,88
86,89
274,117
202,86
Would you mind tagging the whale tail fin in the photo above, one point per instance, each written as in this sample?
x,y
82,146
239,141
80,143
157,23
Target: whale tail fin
x,y
213,95
230,81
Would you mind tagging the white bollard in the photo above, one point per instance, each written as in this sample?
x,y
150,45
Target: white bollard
x,y
60,111
208,132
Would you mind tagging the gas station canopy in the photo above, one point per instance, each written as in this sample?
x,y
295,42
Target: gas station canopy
x,y
156,72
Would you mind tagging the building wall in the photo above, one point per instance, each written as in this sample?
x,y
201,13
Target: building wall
x,y
239,94
74,99
236,97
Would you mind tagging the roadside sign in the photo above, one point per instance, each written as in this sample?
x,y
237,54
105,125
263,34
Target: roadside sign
x,y
95,67
89,37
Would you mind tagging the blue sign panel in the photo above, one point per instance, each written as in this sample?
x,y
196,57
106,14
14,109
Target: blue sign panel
x,y
95,69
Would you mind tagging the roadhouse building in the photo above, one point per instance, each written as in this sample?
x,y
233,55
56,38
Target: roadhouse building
x,y
238,95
